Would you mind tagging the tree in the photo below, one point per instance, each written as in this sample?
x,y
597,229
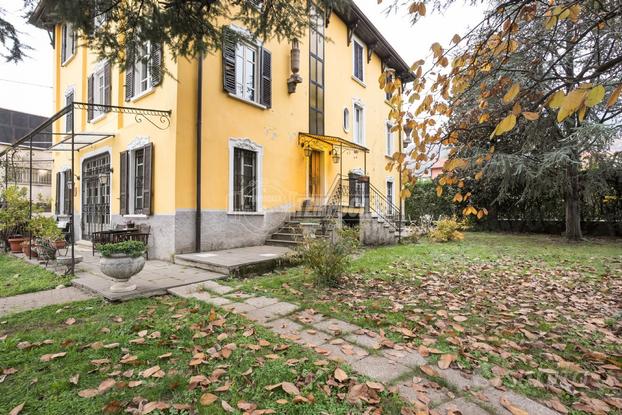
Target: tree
x,y
187,27
556,64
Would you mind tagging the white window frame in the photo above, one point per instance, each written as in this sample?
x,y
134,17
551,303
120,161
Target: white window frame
x,y
392,199
346,119
61,191
245,144
68,40
358,105
245,47
357,41
99,90
138,143
390,139
142,73
68,91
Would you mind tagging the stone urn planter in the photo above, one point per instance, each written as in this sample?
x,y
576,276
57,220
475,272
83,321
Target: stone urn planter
x,y
15,243
121,261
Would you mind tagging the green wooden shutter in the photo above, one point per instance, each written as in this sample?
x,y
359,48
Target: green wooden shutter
x,y
107,85
148,180
89,98
63,41
156,64
266,78
228,60
57,201
129,74
124,177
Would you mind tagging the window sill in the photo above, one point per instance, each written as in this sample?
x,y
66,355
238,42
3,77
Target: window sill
x,y
98,118
248,101
358,81
68,60
233,213
143,94
133,216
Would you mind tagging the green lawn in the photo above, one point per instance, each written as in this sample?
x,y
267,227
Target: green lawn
x,y
19,277
111,352
534,313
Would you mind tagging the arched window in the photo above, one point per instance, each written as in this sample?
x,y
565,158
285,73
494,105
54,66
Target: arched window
x,y
346,119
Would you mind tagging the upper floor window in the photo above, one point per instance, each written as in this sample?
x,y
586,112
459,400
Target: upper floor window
x,y
359,129
357,52
247,69
143,70
99,90
389,95
69,117
346,119
390,139
68,42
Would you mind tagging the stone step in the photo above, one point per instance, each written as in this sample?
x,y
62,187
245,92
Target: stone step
x,y
287,244
284,236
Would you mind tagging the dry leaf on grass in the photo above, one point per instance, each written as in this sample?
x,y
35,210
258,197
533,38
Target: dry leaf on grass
x,y
17,409
290,388
445,361
208,399
515,410
340,375
52,356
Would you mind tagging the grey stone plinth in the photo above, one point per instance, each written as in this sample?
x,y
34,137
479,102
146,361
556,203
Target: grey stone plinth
x,y
533,408
463,405
410,358
379,368
261,302
335,327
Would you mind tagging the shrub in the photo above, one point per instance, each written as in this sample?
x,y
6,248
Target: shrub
x,y
45,227
328,259
446,230
130,248
14,212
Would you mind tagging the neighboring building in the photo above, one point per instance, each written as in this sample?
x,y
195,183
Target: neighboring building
x,y
14,125
256,166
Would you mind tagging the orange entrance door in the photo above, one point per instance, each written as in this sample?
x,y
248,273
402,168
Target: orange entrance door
x,y
315,177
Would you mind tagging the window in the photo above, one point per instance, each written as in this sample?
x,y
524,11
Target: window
x,y
68,42
69,116
390,139
359,129
247,68
359,72
244,180
346,119
21,175
136,180
246,71
316,69
390,196
99,90
144,72
63,192
99,20
389,95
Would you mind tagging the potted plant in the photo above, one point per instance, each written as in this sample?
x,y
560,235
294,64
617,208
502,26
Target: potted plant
x,y
14,216
29,248
121,261
45,227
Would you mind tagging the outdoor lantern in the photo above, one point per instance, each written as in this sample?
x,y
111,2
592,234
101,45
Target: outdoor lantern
x,y
335,156
104,179
307,151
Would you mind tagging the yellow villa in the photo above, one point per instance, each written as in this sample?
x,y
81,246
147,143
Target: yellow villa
x,y
231,150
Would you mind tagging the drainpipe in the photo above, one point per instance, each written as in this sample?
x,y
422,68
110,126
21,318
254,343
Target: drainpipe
x,y
197,218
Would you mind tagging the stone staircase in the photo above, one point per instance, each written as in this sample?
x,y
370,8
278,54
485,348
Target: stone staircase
x,y
291,233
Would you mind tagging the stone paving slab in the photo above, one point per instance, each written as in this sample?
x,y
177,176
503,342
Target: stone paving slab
x,y
308,317
271,312
379,368
343,352
410,358
239,308
462,381
217,288
186,290
23,302
364,340
312,338
533,408
260,302
429,396
284,326
218,301
336,327
465,407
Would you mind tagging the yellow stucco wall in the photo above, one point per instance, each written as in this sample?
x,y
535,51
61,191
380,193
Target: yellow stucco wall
x,y
284,178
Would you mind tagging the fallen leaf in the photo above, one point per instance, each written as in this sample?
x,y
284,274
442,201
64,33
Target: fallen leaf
x,y
74,379
70,321
52,356
340,375
17,409
88,393
515,410
225,405
290,388
445,361
208,399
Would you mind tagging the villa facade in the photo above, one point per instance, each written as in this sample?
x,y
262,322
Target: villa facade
x,y
246,152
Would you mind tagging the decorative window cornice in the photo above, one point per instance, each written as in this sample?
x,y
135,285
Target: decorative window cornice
x,y
138,142
245,143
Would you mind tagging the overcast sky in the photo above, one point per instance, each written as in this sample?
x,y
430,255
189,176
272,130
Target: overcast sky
x,y
27,86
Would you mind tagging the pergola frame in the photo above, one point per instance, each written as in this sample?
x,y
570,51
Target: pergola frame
x,y
68,143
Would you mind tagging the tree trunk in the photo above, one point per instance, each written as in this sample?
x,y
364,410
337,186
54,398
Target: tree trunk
x,y
573,213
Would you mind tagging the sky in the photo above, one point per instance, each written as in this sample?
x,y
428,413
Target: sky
x,y
27,86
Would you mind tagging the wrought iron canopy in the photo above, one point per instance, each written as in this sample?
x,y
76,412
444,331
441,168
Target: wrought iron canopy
x,y
322,141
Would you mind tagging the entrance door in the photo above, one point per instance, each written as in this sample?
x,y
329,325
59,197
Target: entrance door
x,y
315,177
95,195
